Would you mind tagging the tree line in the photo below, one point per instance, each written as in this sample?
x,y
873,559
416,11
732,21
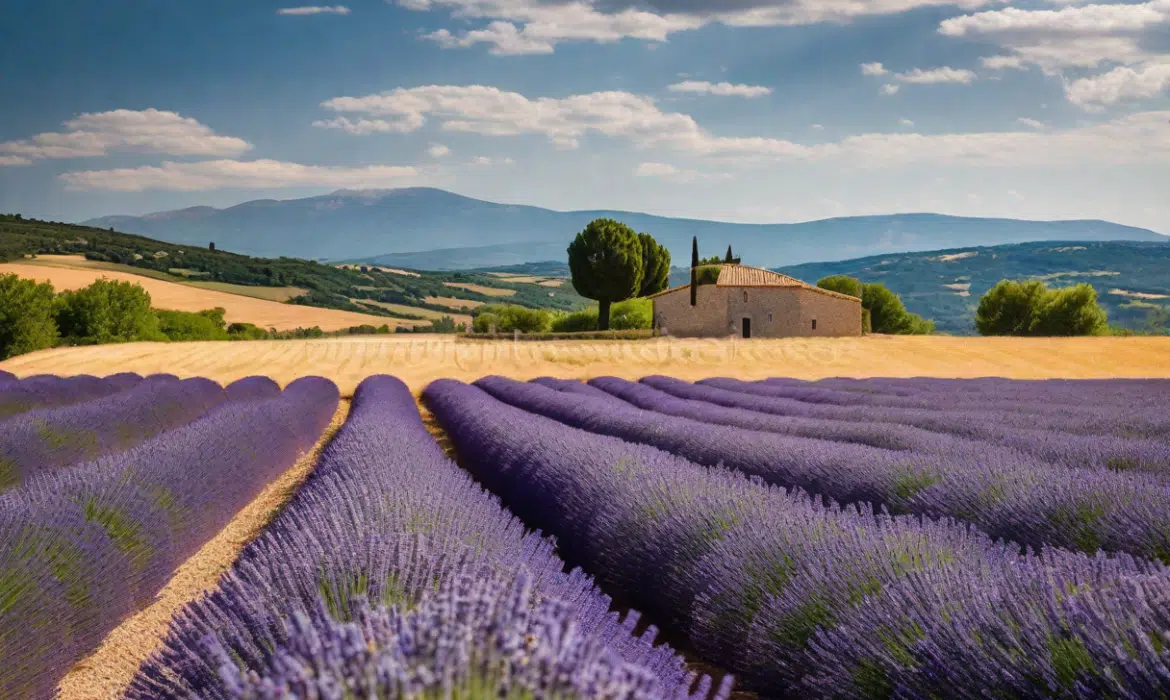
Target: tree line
x,y
33,316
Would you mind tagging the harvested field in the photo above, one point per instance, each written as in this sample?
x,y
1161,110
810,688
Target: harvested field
x,y
414,310
490,291
418,360
196,297
453,302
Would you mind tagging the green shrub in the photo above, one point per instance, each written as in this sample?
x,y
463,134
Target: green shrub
x,y
26,316
887,313
107,312
246,331
842,284
631,314
576,321
708,274
184,325
508,318
1032,309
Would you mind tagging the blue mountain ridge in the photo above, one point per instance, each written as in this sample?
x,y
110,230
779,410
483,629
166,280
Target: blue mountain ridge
x,y
443,230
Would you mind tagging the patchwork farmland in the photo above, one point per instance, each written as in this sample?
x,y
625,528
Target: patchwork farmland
x,y
418,525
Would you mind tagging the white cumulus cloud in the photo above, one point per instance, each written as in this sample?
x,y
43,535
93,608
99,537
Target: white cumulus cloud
x,y
873,69
122,130
438,150
1122,83
724,89
1142,137
514,27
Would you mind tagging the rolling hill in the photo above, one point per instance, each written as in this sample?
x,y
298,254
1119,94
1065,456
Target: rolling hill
x,y
431,224
1131,278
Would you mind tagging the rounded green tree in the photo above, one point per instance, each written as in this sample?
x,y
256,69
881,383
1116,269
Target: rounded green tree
x,y
655,266
606,264
26,316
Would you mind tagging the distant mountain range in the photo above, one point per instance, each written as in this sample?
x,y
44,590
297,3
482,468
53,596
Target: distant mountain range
x,y
433,229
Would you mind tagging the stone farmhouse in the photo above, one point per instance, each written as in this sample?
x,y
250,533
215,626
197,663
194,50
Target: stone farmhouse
x,y
750,302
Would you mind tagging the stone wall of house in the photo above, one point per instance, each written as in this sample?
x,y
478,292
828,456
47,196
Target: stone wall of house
x,y
674,314
775,312
835,316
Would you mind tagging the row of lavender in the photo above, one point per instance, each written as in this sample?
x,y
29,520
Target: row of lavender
x,y
47,391
84,544
39,441
1007,493
391,573
802,597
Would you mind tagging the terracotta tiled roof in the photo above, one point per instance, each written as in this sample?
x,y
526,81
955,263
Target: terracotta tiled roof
x,y
744,276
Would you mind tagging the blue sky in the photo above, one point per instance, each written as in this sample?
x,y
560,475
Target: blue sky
x,y
742,110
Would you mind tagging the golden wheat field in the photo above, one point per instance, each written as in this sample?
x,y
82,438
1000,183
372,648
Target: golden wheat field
x,y
188,297
419,359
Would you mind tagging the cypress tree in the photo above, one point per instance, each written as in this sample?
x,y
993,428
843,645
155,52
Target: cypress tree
x,y
694,270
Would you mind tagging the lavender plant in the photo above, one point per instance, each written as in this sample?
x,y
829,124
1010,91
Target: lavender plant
x,y
483,634
386,516
1008,496
46,391
251,389
83,548
755,577
45,440
1137,440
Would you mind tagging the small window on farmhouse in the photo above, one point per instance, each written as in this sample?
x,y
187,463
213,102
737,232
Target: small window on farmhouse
x,y
814,324
745,295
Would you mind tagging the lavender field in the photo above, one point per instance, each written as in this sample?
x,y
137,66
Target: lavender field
x,y
844,538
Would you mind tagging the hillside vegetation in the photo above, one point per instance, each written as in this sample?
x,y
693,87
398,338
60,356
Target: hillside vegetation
x,y
1132,279
359,289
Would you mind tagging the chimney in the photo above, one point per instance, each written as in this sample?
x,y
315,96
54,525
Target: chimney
x,y
694,269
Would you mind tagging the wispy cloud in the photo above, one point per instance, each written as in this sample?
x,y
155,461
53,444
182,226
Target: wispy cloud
x,y
703,87
670,173
931,76
145,131
235,174
1033,123
314,10
438,150
873,69
890,89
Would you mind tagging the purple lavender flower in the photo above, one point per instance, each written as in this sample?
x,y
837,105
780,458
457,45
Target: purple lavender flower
x,y
44,440
81,549
389,517
757,578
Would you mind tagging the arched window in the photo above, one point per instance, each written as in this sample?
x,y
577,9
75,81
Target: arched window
x,y
745,296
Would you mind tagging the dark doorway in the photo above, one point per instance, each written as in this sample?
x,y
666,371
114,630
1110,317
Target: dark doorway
x,y
747,328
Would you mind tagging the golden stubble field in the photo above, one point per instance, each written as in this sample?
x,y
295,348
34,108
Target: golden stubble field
x,y
67,273
419,359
